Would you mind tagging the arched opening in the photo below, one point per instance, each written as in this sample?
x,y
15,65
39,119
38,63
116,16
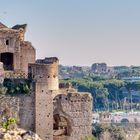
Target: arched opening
x,y
61,126
124,121
7,59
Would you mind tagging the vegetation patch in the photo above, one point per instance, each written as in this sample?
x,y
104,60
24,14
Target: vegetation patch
x,y
109,94
16,86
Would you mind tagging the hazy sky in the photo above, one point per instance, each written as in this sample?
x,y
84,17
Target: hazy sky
x,y
79,32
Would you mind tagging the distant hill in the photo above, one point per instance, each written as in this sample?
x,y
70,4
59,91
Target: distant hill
x,y
99,69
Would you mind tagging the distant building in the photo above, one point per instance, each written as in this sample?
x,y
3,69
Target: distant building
x,y
99,68
132,79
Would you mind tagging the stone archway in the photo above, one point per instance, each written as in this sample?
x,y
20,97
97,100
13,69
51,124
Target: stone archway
x,y
8,60
61,126
62,123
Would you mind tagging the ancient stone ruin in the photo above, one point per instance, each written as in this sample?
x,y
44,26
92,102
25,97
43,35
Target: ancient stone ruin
x,y
17,134
53,111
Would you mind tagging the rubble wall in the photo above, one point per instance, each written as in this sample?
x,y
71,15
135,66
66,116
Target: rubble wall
x,y
21,107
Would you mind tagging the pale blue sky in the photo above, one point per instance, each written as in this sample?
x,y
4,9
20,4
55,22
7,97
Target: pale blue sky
x,y
79,32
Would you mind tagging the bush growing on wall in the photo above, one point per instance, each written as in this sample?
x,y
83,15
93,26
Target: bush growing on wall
x,y
10,121
16,87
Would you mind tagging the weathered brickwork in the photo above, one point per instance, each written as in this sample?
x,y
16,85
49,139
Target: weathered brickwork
x,y
53,111
27,111
45,73
28,55
45,77
15,53
20,107
77,109
43,112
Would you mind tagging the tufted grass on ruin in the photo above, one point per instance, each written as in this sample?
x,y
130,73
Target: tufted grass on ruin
x,y
90,138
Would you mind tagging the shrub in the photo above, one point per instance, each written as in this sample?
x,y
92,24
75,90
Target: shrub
x,y
10,121
16,87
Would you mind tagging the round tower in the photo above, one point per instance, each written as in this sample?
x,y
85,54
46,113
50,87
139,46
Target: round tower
x,y
46,71
45,76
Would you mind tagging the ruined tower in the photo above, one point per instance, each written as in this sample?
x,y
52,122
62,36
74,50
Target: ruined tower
x,y
45,76
15,53
52,111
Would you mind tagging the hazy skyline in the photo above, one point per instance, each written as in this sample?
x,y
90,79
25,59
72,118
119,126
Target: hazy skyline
x,y
79,32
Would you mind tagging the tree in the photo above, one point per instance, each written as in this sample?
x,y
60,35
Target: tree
x,y
113,87
134,85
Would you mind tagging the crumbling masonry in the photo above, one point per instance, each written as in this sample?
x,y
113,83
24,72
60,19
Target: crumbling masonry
x,y
53,111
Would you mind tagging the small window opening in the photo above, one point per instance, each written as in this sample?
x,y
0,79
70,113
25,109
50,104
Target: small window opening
x,y
7,42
